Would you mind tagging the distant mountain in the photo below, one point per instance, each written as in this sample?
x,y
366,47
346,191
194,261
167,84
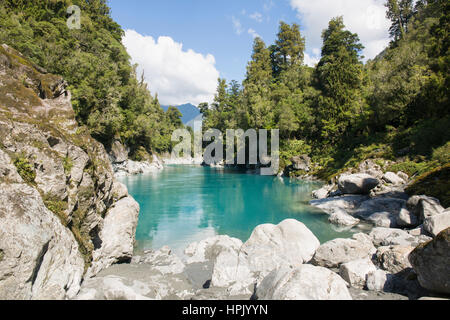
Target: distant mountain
x,y
189,112
196,127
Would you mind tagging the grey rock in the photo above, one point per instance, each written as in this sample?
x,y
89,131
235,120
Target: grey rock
x,y
348,203
40,257
118,153
382,212
437,223
336,252
268,248
407,219
117,235
403,176
357,183
388,237
322,193
302,162
392,178
394,259
378,280
431,262
341,218
424,207
305,282
210,248
355,272
164,261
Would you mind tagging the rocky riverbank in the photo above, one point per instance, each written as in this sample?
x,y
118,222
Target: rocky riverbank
x,y
404,255
63,216
284,262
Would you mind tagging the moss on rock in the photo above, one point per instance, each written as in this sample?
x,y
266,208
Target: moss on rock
x,y
435,183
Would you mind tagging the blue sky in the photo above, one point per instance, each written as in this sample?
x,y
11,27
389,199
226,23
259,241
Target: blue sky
x,y
220,36
206,26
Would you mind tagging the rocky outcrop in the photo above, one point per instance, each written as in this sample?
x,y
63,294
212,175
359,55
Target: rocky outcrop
x,y
40,257
302,162
305,282
431,262
118,153
60,200
130,167
357,183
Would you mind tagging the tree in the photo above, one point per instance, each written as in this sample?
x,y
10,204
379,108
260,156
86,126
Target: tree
x,y
339,74
174,116
399,12
289,48
257,87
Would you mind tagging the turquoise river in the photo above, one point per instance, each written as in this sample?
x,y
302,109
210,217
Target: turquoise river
x,y
183,204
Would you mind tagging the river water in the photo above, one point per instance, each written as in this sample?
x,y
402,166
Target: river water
x,y
183,204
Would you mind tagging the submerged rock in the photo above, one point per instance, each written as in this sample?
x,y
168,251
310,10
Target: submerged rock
x,y
341,218
305,282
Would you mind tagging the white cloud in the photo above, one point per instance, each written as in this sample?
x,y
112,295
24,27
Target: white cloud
x,y
237,25
268,5
253,33
311,60
178,76
367,18
256,16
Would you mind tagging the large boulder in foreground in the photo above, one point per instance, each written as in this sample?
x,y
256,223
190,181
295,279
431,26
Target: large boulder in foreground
x,y
269,247
357,183
117,235
437,223
39,257
305,282
338,251
431,261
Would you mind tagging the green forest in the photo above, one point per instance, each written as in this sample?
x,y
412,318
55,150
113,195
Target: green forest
x,y
107,95
343,111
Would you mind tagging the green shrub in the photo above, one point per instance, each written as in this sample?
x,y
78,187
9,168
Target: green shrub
x,y
25,169
68,164
57,206
412,168
442,154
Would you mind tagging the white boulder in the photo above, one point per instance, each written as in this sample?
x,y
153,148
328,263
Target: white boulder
x,y
305,282
355,272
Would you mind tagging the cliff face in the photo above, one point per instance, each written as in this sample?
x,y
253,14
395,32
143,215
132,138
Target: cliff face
x,y
63,217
